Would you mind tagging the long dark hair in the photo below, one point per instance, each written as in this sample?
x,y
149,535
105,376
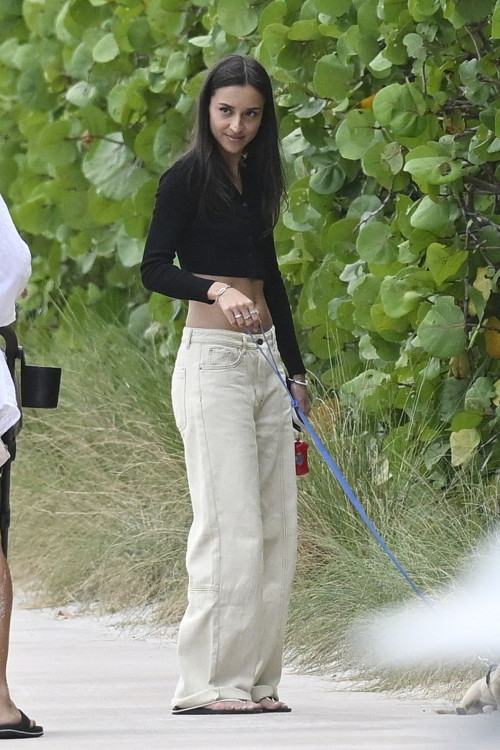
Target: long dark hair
x,y
262,160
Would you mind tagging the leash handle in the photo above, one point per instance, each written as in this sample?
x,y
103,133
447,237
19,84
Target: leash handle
x,y
335,469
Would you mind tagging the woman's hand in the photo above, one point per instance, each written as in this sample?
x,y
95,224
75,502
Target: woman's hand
x,y
239,309
300,394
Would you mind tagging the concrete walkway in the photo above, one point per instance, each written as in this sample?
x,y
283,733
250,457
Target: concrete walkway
x,y
94,686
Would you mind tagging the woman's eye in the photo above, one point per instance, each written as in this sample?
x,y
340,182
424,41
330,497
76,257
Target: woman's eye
x,y
225,110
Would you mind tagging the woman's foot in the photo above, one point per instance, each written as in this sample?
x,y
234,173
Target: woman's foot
x,y
10,714
273,704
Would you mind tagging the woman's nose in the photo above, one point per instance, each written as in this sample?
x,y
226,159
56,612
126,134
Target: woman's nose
x,y
236,124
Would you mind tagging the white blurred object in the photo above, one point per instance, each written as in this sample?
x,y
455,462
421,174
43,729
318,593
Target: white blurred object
x,y
463,622
15,270
15,266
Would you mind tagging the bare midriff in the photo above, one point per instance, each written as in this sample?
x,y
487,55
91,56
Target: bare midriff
x,y
201,315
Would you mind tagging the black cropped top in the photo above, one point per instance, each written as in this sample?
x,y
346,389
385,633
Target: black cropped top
x,y
232,244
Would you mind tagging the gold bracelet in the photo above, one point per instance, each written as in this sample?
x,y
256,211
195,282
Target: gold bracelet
x,y
221,292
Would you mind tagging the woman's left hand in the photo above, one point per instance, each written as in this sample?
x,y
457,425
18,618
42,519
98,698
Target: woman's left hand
x,y
300,394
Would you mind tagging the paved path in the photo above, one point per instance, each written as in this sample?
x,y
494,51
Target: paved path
x,y
93,686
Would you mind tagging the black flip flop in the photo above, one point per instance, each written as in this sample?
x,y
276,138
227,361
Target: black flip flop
x,y
20,731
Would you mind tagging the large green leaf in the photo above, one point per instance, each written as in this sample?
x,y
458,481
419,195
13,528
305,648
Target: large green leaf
x,y
106,49
364,387
81,94
110,166
435,170
333,8
129,249
476,11
333,79
397,296
356,133
451,398
328,180
304,31
441,333
431,216
401,107
443,262
237,17
463,445
54,143
274,12
375,244
479,396
422,9
33,91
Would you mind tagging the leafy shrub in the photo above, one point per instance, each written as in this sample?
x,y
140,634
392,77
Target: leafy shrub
x,y
391,133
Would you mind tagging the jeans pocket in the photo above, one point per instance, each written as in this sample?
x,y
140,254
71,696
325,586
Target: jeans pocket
x,y
222,357
179,397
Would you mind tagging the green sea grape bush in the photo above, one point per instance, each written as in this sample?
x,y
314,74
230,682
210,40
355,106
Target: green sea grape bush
x,y
390,122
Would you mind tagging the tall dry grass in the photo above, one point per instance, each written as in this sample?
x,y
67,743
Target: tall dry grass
x,y
99,497
101,509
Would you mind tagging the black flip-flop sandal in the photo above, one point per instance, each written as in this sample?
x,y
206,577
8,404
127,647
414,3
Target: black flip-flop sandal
x,y
284,710
20,731
205,711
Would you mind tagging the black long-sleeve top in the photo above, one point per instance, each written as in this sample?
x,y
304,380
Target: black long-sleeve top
x,y
230,243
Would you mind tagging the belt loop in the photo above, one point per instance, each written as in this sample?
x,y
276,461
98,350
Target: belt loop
x,y
189,337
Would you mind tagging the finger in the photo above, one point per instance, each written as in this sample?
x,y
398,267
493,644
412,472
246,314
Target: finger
x,y
255,319
239,319
250,323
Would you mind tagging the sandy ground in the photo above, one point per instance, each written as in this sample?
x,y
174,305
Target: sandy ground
x,y
92,685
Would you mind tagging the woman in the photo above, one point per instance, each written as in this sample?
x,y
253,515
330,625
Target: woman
x,y
216,209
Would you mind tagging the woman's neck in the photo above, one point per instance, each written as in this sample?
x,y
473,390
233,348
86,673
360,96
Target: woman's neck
x,y
232,162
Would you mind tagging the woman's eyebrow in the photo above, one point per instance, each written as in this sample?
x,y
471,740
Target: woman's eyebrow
x,y
230,106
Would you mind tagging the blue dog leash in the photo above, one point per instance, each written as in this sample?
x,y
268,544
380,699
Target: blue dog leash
x,y
333,466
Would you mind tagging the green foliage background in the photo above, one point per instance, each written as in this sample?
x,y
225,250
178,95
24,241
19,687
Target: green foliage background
x,y
389,113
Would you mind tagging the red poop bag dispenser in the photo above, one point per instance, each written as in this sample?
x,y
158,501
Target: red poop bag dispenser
x,y
301,465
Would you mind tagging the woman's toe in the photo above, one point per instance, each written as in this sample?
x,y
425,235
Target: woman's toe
x,y
272,704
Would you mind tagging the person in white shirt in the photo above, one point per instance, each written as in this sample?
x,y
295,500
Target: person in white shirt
x,y
15,266
15,270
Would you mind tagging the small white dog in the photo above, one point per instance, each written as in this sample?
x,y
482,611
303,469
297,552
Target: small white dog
x,y
484,692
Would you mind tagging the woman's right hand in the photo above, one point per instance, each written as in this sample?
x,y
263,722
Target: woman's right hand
x,y
239,309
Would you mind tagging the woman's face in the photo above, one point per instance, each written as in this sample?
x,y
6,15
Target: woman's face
x,y
235,117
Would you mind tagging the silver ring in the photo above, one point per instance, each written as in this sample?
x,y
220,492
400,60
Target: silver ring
x,y
238,316
247,317
254,312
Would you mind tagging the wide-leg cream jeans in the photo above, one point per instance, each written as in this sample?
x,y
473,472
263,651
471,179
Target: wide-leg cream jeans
x,y
235,420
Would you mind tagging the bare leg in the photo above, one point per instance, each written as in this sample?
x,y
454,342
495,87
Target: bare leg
x,y
9,714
